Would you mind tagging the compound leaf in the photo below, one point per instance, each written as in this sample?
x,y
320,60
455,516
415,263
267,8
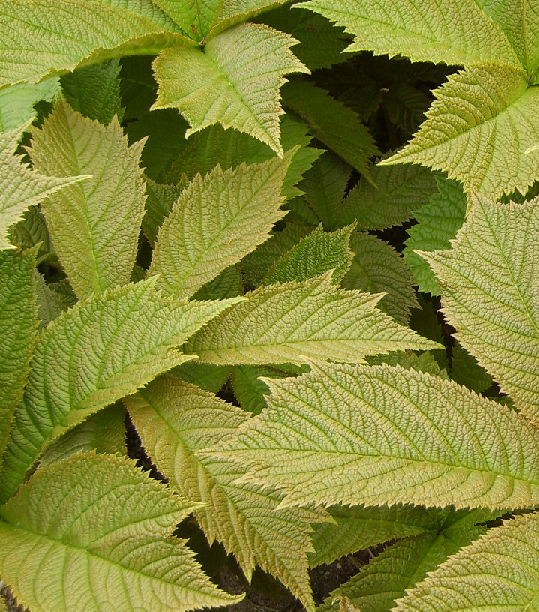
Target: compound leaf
x,y
82,527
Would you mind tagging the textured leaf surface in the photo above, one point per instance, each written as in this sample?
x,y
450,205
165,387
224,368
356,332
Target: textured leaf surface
x,y
17,102
216,221
160,199
437,224
21,187
54,36
466,371
235,81
82,527
175,420
102,349
489,282
498,571
295,321
489,147
95,226
18,327
385,435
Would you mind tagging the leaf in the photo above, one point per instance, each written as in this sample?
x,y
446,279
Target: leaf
x,y
490,146
102,349
160,199
424,362
397,192
385,435
32,231
497,571
95,226
438,222
334,124
466,371
21,187
96,542
216,221
175,420
296,322
208,377
377,267
18,328
66,34
489,294
235,81
18,101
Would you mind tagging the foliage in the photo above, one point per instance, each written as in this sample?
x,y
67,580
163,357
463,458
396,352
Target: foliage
x,y
325,338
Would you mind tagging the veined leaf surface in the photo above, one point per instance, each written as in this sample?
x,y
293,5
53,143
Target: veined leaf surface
x,y
235,81
95,225
385,435
17,102
176,419
216,221
295,322
91,533
102,349
490,282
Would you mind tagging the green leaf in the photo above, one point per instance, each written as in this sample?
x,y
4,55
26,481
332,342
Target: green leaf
x,y
66,34
295,322
437,224
175,420
102,349
20,186
53,299
208,377
160,199
489,294
18,328
498,571
466,371
216,221
93,526
397,192
32,231
385,435
95,226
377,267
490,146
235,81
17,102
424,362
334,124
229,283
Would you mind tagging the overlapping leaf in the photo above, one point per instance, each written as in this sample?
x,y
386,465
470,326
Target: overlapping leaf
x,y
385,435
95,225
17,102
91,533
102,349
489,282
175,420
294,321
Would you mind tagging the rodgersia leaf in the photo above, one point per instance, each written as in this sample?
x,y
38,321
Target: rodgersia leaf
x,y
235,81
95,226
91,534
385,435
295,322
176,419
498,571
489,282
17,102
102,349
21,187
216,221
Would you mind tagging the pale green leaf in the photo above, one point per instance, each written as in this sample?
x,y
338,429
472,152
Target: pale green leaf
x,y
448,31
376,268
102,349
397,192
229,283
216,221
146,8
497,572
334,124
424,362
481,130
437,224
208,377
41,38
235,81
160,199
18,328
53,299
489,282
385,435
91,534
298,321
95,226
313,255
21,187
17,102
175,420
32,231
